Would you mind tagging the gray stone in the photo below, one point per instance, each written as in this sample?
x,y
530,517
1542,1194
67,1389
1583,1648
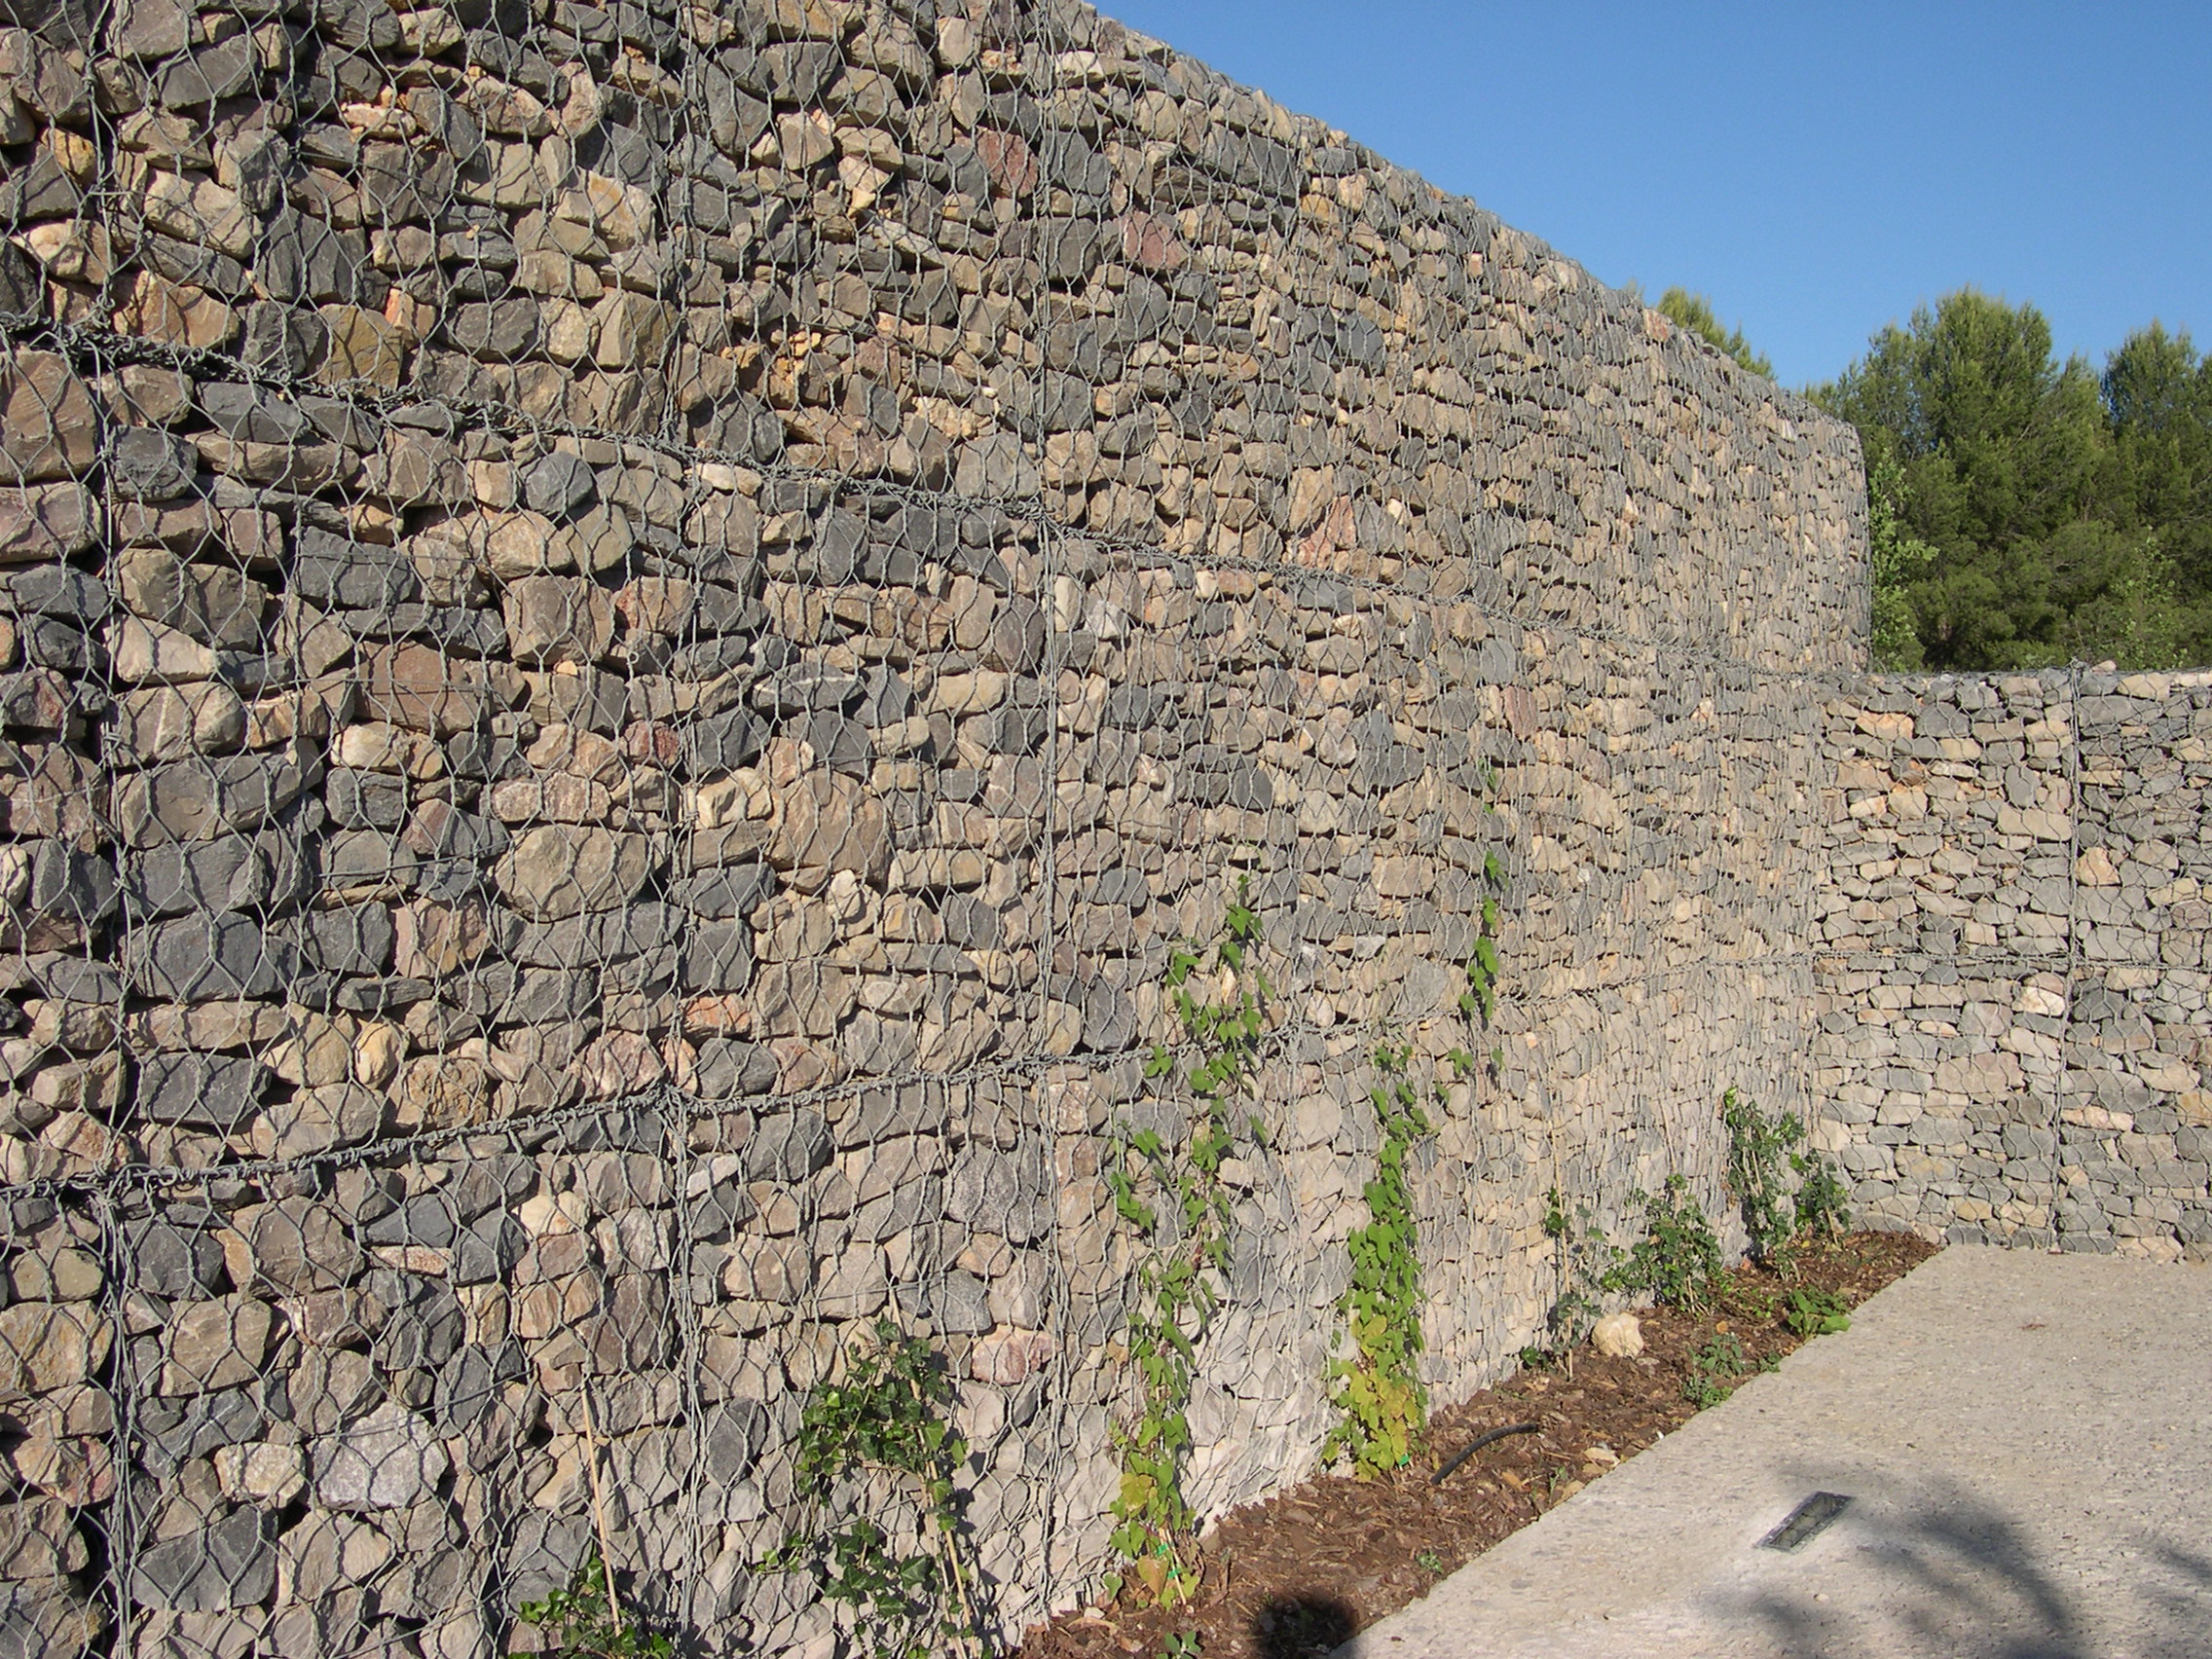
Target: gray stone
x,y
175,1431
422,1330
1006,1192
354,938
718,956
203,958
787,1147
489,1249
559,485
234,872
205,75
148,465
171,1260
724,895
969,923
717,1213
229,1563
58,590
210,1091
68,883
470,1384
251,415
726,1069
722,743
961,1306
330,571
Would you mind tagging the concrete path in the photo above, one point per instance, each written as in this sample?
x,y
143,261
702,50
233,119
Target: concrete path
x,y
2027,1441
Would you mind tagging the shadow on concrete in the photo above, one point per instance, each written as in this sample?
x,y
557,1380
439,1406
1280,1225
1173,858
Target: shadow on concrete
x,y
1955,1577
1301,1627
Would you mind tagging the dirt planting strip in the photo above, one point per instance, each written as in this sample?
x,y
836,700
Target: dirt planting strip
x,y
1305,1570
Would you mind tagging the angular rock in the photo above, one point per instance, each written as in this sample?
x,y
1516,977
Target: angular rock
x,y
558,870
229,1563
214,1344
49,424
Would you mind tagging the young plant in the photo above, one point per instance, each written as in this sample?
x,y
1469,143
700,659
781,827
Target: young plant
x,y
1824,1206
585,1621
1715,1371
1379,1389
1784,1188
1678,1260
887,1419
1810,1311
1172,1199
1585,1261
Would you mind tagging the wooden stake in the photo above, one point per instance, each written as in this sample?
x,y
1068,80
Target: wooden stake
x,y
599,1508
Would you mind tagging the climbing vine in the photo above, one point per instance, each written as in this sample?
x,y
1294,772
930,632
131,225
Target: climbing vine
x,y
585,1621
1479,1001
1377,1392
1170,1195
887,1416
1379,1389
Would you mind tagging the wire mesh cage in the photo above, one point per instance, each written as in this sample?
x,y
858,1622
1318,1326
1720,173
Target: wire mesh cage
x,y
633,635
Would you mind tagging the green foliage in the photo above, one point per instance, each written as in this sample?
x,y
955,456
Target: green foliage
x,y
1428,1561
1694,311
1811,1312
1784,1188
585,1621
1379,1389
1824,1202
1716,1370
2024,511
1171,1197
1184,1645
1678,1260
1898,558
1479,1001
1585,1260
886,1418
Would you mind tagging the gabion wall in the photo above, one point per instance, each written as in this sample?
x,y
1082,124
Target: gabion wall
x,y
2014,1022
630,629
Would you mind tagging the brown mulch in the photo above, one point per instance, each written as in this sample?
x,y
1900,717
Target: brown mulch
x,y
1302,1572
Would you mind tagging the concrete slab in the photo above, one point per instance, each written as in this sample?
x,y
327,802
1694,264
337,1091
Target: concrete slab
x,y
2027,1443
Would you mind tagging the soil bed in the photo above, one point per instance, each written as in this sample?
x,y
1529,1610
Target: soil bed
x,y
1302,1572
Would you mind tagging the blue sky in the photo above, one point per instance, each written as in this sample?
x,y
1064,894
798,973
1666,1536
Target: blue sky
x,y
1816,168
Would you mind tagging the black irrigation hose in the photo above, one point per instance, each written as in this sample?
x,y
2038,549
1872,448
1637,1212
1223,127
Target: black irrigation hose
x,y
1477,1443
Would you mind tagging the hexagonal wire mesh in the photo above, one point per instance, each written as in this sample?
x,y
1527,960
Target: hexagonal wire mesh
x,y
631,632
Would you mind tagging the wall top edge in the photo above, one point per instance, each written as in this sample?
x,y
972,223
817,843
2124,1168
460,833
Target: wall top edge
x,y
1077,22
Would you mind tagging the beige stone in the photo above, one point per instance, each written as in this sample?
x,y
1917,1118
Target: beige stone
x,y
557,871
363,346
1617,1336
216,1343
174,313
48,426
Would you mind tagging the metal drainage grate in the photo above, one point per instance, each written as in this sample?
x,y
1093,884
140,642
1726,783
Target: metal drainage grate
x,y
1807,1522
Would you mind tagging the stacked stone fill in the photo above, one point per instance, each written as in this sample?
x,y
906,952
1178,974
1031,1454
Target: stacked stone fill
x,y
2013,1028
630,632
